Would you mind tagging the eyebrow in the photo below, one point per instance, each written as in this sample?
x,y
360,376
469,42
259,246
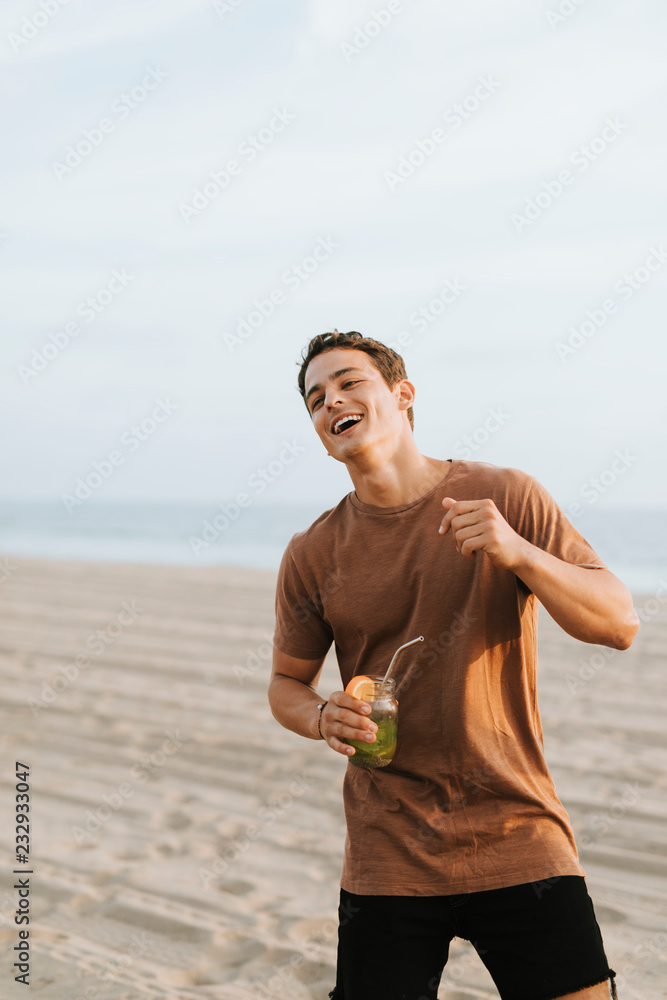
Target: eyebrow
x,y
341,371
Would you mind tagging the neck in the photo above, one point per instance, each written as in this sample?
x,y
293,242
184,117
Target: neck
x,y
402,479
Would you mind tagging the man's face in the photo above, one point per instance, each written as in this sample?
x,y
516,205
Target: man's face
x,y
345,383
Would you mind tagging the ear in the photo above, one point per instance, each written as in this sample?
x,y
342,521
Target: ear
x,y
406,394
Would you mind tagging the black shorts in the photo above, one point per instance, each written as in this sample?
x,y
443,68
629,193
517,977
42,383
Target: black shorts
x,y
539,941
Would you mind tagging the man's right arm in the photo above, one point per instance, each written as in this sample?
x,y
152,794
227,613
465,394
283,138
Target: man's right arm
x,y
294,699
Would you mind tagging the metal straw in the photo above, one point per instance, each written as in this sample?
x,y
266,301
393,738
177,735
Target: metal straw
x,y
420,638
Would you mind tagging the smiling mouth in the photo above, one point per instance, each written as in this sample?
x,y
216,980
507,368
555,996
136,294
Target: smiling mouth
x,y
347,424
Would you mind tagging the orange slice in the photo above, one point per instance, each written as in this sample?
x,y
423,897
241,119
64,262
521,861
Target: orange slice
x,y
361,687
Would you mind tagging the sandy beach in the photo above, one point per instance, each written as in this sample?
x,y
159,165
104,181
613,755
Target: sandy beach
x,y
184,846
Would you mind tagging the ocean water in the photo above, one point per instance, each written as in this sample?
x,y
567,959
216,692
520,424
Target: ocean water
x,y
632,543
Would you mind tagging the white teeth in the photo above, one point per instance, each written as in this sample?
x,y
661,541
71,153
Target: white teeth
x,y
350,416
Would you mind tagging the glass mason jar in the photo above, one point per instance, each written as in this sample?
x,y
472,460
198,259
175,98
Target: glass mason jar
x,y
384,713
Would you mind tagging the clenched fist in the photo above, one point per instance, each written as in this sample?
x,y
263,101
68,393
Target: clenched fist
x,y
478,525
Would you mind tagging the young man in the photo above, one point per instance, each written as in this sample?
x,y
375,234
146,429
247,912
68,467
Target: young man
x,y
463,833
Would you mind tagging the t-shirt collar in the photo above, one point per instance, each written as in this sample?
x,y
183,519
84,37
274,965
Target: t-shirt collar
x,y
367,508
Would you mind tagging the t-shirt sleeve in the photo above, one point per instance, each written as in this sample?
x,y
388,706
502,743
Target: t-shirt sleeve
x,y
543,523
301,629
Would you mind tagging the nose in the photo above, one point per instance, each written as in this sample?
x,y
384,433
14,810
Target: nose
x,y
332,398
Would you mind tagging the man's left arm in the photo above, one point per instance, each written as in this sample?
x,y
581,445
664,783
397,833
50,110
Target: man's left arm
x,y
590,604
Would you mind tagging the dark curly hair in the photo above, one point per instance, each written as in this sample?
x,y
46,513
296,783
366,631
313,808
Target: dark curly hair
x,y
388,362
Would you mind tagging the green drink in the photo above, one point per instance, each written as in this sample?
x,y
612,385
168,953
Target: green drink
x,y
384,713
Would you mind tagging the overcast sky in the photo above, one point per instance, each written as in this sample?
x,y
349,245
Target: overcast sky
x,y
483,184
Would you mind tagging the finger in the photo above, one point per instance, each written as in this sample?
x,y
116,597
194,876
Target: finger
x,y
470,546
350,722
340,747
348,701
463,505
458,509
447,503
361,736
342,722
337,742
467,518
462,535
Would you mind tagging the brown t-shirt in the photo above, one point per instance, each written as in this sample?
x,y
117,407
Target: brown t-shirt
x,y
467,802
